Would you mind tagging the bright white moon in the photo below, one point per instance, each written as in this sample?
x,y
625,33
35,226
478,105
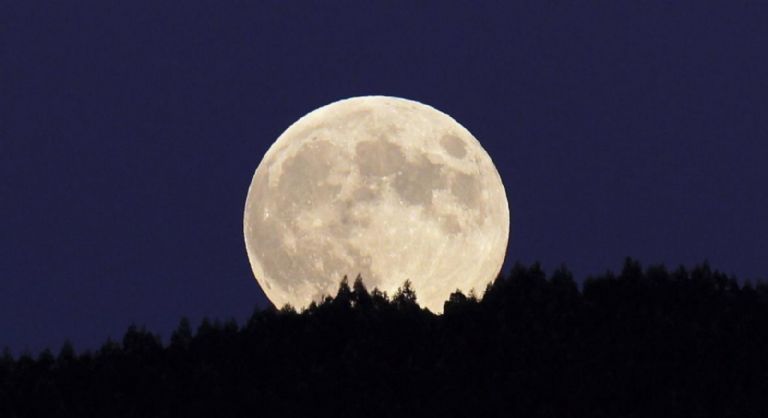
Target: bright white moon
x,y
384,187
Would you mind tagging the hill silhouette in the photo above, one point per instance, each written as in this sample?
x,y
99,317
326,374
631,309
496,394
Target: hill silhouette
x,y
643,343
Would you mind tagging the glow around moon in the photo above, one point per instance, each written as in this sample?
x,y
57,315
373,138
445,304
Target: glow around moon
x,y
384,187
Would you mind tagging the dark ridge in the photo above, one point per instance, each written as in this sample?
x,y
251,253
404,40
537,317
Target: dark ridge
x,y
644,343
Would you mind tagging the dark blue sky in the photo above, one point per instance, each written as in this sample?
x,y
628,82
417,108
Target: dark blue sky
x,y
129,134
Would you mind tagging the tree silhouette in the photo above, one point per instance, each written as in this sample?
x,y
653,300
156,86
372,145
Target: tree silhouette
x,y
343,299
647,342
182,336
405,297
360,296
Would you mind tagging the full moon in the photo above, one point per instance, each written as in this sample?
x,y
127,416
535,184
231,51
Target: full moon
x,y
387,188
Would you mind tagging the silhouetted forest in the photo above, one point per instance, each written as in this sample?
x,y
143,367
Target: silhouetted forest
x,y
644,343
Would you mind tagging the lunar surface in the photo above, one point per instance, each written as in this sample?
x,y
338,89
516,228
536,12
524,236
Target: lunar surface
x,y
384,187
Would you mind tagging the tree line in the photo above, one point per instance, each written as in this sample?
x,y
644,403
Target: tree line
x,y
647,342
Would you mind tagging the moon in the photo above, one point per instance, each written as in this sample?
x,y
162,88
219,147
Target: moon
x,y
384,187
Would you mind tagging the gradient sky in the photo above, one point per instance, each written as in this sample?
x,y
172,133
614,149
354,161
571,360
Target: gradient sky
x,y
129,134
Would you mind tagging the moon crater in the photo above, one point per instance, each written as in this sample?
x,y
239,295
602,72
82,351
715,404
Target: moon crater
x,y
454,146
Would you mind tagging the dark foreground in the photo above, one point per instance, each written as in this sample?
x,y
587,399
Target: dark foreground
x,y
647,343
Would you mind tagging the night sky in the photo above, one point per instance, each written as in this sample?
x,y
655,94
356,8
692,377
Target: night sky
x,y
129,134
